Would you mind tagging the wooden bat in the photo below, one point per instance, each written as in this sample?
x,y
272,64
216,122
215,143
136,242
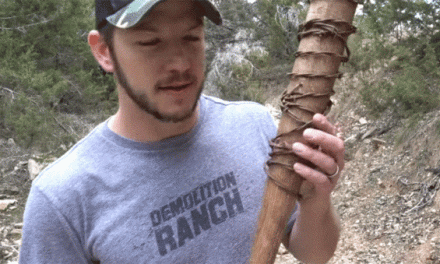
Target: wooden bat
x,y
322,48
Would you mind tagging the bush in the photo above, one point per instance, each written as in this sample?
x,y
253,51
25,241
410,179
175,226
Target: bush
x,y
408,92
413,91
47,70
245,82
259,58
30,124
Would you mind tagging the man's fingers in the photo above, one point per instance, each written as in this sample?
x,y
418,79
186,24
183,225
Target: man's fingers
x,y
320,122
330,144
311,175
327,164
329,157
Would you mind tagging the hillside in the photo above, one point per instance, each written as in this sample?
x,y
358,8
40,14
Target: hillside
x,y
52,93
387,196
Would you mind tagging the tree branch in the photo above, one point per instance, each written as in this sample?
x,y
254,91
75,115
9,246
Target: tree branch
x,y
8,90
61,125
22,28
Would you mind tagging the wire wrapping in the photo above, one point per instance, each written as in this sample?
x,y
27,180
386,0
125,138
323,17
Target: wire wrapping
x,y
290,101
353,1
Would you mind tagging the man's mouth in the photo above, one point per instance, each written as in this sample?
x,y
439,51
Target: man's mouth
x,y
175,88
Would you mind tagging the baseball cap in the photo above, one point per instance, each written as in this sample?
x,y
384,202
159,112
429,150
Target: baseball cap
x,y
128,13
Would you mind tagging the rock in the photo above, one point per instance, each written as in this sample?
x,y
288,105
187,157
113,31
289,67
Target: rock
x,y
11,142
34,169
380,183
350,140
11,190
4,204
378,141
369,133
18,225
363,121
15,234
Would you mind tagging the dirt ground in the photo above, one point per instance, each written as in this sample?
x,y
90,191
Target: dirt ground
x,y
387,197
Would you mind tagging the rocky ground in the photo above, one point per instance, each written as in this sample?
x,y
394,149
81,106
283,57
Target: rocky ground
x,y
387,197
14,187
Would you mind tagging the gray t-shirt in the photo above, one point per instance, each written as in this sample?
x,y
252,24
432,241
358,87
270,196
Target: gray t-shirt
x,y
194,198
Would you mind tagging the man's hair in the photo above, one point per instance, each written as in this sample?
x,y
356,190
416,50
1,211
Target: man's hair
x,y
106,32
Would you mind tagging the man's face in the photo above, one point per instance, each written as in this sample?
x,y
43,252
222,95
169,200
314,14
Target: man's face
x,y
160,63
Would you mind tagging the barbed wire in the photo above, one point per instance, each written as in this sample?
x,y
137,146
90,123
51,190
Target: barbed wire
x,y
292,101
353,1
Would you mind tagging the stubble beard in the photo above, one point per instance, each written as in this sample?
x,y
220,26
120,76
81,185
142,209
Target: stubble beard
x,y
144,103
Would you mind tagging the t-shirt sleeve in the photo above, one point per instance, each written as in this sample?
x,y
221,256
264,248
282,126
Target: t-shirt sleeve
x,y
270,128
47,236
292,219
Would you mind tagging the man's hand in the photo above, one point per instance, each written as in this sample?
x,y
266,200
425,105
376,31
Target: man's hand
x,y
316,231
328,158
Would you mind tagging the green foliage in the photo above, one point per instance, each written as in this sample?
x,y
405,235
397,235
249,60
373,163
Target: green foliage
x,y
249,91
242,72
46,69
278,26
271,25
408,92
259,59
237,16
358,62
437,128
395,18
30,124
397,43
408,130
245,82
413,91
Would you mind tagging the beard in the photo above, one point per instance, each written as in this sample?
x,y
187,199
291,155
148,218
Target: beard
x,y
145,103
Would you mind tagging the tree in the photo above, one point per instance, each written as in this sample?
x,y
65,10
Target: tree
x,y
403,35
46,67
400,17
254,38
277,23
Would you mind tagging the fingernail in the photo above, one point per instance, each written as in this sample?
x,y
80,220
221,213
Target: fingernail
x,y
308,134
298,168
297,147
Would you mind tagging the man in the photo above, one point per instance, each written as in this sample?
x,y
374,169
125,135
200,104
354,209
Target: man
x,y
173,176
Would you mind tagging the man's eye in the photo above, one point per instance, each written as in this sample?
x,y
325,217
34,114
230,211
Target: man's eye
x,y
191,38
148,43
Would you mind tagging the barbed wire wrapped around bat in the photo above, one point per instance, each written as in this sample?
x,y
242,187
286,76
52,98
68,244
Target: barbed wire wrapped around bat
x,y
293,101
353,1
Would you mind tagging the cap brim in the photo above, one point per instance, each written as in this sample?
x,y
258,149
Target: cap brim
x,y
130,15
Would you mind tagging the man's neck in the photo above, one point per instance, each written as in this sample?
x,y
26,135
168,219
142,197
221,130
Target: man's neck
x,y
140,126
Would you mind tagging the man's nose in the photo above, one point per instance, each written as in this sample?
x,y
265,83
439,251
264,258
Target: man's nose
x,y
178,59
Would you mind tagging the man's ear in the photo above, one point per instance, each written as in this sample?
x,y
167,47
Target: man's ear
x,y
100,51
